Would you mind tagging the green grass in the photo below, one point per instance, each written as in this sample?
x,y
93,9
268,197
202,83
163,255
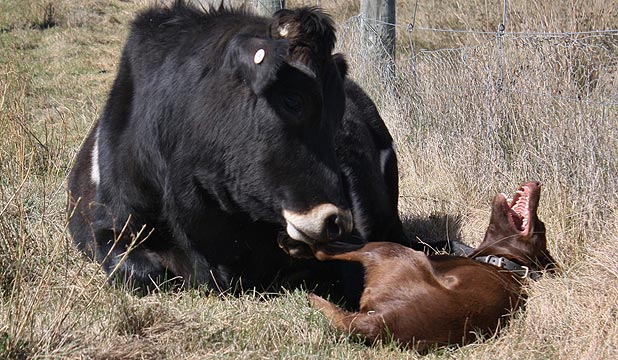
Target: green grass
x,y
458,145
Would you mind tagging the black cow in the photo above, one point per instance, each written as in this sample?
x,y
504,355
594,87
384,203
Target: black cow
x,y
218,134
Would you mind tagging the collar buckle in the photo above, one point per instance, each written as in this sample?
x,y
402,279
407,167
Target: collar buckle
x,y
526,271
504,263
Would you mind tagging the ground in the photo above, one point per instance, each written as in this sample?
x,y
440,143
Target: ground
x,y
478,118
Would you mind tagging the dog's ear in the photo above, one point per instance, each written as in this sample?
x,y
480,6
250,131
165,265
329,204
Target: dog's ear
x,y
255,60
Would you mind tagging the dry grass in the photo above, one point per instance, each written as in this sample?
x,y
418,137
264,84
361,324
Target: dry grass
x,y
460,140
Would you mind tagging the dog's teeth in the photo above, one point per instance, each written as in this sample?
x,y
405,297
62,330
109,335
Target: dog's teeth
x,y
520,208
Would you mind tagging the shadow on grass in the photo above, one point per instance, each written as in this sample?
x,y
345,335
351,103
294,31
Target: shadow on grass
x,y
436,234
11,348
49,18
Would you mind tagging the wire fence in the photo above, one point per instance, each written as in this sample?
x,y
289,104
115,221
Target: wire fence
x,y
568,65
523,61
498,107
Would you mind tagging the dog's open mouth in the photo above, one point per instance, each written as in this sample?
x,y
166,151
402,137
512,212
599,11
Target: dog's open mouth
x,y
520,211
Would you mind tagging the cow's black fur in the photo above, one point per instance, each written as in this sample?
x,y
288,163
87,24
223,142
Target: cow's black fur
x,y
199,148
368,162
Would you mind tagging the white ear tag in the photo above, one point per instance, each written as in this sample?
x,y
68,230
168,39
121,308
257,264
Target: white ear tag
x,y
259,56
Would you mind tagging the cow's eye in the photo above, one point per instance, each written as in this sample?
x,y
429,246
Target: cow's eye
x,y
293,103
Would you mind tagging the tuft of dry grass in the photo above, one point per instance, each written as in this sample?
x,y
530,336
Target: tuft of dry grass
x,y
465,127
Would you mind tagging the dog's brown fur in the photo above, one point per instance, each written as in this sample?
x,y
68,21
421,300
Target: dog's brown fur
x,y
423,301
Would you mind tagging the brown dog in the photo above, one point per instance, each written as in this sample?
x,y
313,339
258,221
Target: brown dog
x,y
423,301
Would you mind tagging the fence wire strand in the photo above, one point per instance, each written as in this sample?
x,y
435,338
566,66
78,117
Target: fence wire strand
x,y
488,32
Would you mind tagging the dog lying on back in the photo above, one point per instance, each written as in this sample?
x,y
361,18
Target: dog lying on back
x,y
423,301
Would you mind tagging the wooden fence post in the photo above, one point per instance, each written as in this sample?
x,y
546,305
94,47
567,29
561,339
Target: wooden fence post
x,y
378,17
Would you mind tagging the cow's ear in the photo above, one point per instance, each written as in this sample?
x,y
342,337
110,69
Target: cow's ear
x,y
341,64
255,60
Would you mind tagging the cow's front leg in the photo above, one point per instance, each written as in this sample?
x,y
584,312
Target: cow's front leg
x,y
129,263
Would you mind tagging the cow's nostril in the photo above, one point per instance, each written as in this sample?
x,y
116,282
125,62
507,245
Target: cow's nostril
x,y
333,230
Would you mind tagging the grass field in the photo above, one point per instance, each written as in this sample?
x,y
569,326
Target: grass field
x,y
459,142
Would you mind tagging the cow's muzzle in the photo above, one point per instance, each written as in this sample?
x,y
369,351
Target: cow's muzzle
x,y
323,223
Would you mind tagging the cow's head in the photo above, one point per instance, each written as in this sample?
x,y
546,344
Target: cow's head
x,y
276,150
516,231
